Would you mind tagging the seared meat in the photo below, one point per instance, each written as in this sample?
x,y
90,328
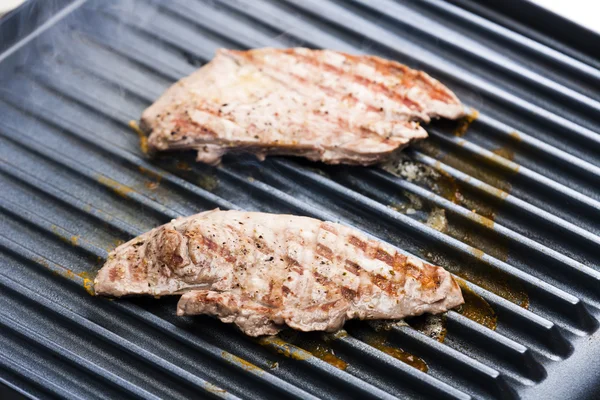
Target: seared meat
x,y
264,271
320,104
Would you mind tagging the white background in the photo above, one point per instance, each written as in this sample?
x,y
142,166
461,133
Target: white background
x,y
7,5
584,12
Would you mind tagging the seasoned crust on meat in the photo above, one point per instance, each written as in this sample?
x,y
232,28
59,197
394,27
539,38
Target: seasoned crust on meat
x,y
319,104
264,272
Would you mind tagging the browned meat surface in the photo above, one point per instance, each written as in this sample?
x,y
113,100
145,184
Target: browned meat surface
x,y
264,271
320,104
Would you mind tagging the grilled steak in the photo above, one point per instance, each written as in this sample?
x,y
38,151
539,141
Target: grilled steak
x,y
263,272
320,104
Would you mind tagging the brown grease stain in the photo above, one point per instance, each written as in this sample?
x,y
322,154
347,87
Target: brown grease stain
x,y
42,262
476,308
246,365
447,186
156,178
284,348
412,206
183,166
495,281
151,185
503,156
505,152
213,388
476,166
143,138
433,326
154,175
437,219
115,243
72,240
465,122
478,233
207,182
480,236
115,186
515,136
336,335
85,275
325,353
315,344
483,238
88,282
483,212
400,207
379,340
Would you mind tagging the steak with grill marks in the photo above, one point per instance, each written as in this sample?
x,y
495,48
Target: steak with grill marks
x,y
264,272
320,104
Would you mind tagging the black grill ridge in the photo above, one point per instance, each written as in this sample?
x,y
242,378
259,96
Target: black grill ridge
x,y
73,181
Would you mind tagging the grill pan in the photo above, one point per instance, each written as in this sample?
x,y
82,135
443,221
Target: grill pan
x,y
509,202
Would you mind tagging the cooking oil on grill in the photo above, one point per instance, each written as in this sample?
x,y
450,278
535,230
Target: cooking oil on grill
x,y
314,343
476,308
476,231
378,339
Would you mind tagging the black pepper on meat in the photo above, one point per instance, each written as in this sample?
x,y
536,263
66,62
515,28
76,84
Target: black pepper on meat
x,y
205,258
321,104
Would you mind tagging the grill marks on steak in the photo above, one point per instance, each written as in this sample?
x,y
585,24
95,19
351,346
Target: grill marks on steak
x,y
333,73
263,272
321,104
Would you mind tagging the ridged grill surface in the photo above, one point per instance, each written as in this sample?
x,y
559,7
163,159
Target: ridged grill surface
x,y
510,203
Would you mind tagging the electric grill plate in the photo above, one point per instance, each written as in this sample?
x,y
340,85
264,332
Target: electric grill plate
x,y
510,202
